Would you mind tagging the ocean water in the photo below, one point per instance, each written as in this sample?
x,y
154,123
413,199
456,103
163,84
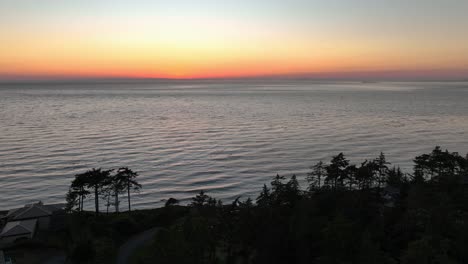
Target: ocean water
x,y
227,138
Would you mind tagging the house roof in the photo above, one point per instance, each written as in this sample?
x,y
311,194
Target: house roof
x,y
33,211
16,228
54,207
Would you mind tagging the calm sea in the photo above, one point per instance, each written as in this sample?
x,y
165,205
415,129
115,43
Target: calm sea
x,y
226,138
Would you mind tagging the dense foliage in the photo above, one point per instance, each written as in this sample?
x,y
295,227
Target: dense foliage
x,y
90,238
103,184
366,213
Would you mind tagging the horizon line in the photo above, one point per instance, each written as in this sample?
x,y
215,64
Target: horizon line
x,y
434,75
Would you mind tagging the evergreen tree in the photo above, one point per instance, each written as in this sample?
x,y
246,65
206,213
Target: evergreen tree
x,y
351,176
128,178
96,179
171,202
422,169
200,200
411,223
336,171
78,192
439,167
382,169
292,190
117,184
72,201
278,189
366,175
264,199
395,177
247,203
316,176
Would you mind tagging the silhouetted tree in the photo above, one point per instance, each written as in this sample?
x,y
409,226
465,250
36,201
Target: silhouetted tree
x,y
96,179
365,175
293,185
351,176
277,184
408,222
315,177
278,189
248,203
107,194
72,200
382,169
116,185
422,167
264,199
336,171
171,202
200,199
395,177
211,202
292,190
78,192
128,178
439,167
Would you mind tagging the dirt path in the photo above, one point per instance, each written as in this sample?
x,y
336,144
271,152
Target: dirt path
x,y
127,249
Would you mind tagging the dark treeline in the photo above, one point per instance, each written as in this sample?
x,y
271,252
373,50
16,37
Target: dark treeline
x,y
367,213
101,184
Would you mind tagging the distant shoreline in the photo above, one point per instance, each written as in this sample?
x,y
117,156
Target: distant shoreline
x,y
265,80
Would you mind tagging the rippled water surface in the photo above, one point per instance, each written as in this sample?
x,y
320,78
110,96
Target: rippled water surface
x,y
226,138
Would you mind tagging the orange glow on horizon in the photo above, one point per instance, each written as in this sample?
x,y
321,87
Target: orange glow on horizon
x,y
198,47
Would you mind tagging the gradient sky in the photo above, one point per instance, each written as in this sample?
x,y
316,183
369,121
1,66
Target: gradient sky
x,y
203,39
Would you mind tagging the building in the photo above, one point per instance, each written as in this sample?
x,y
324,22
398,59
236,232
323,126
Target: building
x,y
41,212
4,259
16,230
23,223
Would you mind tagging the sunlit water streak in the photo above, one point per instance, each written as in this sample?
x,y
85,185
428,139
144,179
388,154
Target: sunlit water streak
x,y
225,138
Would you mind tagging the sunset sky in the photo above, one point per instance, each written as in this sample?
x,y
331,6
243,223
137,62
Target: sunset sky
x,y
238,38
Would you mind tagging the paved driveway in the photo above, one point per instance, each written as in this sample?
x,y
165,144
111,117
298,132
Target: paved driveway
x,y
127,249
59,259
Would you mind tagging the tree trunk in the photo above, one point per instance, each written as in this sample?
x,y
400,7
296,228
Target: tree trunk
x,y
82,198
96,199
79,203
128,190
380,178
116,201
